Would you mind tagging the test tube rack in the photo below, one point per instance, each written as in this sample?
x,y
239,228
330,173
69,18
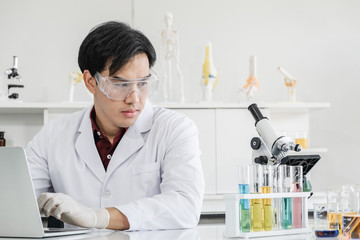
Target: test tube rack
x,y
232,215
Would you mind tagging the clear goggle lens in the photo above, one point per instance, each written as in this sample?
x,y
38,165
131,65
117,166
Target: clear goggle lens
x,y
119,89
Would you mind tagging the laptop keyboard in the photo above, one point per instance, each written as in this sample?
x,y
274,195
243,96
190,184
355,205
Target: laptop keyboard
x,y
54,230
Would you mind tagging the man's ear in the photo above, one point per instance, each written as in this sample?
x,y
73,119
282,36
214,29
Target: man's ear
x,y
89,81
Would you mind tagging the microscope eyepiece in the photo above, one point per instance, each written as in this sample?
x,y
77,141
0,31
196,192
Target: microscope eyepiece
x,y
255,112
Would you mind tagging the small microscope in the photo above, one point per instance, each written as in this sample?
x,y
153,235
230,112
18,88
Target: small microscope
x,y
12,79
272,149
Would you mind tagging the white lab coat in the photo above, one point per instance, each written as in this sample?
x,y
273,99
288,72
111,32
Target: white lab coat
x,y
154,177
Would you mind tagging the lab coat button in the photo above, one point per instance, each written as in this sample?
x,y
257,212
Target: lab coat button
x,y
108,156
107,193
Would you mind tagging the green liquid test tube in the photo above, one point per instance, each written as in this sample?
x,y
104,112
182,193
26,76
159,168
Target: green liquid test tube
x,y
244,204
287,213
287,205
245,221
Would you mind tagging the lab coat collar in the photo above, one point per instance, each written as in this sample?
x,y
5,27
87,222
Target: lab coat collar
x,y
145,120
86,148
131,142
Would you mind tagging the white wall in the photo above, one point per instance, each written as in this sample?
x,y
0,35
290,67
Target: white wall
x,y
315,40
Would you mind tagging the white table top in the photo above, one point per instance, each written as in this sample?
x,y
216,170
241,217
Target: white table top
x,y
201,232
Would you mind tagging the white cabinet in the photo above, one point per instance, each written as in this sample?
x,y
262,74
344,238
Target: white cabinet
x,y
205,120
234,130
225,131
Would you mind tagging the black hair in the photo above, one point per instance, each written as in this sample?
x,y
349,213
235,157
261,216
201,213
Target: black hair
x,y
113,44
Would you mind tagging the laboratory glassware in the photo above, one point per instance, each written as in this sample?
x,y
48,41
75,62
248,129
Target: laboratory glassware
x,y
296,186
255,207
244,188
266,186
285,174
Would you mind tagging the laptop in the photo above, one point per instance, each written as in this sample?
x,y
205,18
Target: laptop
x,y
19,212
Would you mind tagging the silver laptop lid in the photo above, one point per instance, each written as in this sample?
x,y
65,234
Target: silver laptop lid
x,y
19,213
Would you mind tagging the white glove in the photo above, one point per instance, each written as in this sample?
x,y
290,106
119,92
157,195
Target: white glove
x,y
66,209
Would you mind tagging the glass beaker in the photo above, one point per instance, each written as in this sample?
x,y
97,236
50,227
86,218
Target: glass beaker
x,y
321,223
350,218
302,138
333,200
244,188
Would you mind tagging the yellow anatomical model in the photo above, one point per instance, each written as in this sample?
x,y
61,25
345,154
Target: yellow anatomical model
x,y
210,75
74,78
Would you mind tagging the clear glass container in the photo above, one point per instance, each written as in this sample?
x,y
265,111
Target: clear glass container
x,y
244,188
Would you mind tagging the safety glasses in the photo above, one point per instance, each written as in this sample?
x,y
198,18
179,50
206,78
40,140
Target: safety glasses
x,y
119,89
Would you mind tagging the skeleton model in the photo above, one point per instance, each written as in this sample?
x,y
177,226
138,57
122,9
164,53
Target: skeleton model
x,y
170,52
210,75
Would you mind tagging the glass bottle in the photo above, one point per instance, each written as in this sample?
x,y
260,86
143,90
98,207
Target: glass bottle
x,y
2,139
307,184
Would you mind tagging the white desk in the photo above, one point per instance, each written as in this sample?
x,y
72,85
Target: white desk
x,y
201,232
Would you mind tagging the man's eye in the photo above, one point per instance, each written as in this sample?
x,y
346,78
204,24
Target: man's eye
x,y
121,85
143,84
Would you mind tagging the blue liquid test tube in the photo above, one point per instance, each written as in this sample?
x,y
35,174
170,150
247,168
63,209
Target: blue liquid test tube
x,y
244,204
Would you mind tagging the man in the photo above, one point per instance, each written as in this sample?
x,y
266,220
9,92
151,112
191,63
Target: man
x,y
121,164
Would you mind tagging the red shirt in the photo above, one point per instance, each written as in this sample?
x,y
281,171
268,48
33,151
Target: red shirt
x,y
103,145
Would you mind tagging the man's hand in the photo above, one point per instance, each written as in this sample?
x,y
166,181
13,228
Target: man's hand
x,y
65,208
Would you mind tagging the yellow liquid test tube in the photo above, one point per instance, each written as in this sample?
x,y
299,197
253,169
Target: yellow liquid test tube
x,y
266,210
256,216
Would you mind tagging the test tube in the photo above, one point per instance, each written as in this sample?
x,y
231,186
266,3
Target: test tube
x,y
266,186
296,186
286,211
276,201
244,188
255,204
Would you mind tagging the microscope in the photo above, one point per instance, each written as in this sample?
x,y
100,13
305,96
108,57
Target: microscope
x,y
11,79
272,149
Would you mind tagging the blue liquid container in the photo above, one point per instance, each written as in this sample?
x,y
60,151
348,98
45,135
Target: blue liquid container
x,y
326,233
245,221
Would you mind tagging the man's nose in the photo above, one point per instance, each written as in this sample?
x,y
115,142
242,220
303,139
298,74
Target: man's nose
x,y
133,97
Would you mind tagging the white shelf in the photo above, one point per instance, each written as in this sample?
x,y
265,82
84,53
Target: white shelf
x,y
38,107
20,106
297,106
309,151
